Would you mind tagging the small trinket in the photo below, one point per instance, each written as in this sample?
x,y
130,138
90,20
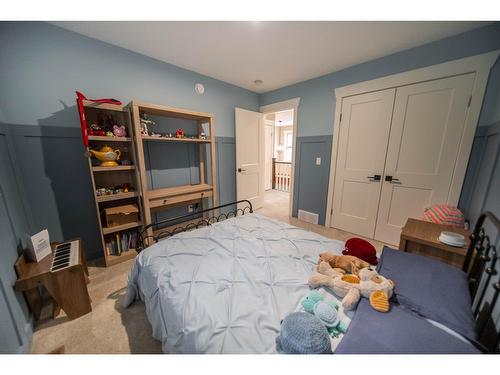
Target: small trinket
x,y
119,131
179,133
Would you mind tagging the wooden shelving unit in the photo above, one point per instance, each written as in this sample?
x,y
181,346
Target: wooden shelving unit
x,y
164,198
112,176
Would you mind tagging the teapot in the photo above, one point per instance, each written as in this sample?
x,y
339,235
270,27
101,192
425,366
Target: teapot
x,y
107,156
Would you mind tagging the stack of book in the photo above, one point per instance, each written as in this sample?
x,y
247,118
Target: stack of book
x,y
120,243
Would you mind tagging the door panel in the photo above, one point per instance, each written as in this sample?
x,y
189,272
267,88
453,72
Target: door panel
x,y
426,131
268,156
249,131
363,136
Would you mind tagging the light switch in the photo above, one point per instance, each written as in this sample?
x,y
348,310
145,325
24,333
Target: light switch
x,y
318,161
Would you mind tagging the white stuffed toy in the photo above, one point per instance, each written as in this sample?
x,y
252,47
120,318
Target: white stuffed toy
x,y
367,283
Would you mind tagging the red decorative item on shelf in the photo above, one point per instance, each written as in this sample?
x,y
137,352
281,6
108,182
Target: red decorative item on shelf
x,y
83,122
361,249
179,133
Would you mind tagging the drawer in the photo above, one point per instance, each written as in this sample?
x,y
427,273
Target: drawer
x,y
159,202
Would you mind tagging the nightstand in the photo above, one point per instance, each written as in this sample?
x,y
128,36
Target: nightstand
x,y
421,237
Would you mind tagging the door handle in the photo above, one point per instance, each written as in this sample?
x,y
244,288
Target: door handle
x,y
392,180
241,170
375,177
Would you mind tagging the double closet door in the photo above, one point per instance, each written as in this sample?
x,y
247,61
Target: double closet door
x,y
397,153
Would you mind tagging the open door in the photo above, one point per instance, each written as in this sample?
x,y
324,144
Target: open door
x,y
249,131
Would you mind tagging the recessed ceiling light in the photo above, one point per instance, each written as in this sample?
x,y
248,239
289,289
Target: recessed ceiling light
x,y
258,82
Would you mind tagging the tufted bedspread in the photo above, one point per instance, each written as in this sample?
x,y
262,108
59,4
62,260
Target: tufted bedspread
x,y
226,288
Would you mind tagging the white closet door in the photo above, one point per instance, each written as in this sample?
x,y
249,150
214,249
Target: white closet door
x,y
363,136
426,132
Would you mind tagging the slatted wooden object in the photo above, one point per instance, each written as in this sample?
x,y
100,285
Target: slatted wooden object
x,y
282,175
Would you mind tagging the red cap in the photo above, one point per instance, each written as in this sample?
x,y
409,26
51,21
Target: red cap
x,y
361,249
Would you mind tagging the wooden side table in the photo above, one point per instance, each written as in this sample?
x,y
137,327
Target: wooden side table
x,y
421,237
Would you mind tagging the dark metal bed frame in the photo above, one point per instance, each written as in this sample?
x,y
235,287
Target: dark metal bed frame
x,y
166,228
479,264
480,261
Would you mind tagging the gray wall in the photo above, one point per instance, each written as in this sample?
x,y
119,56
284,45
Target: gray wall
x,y
15,327
317,104
310,177
482,183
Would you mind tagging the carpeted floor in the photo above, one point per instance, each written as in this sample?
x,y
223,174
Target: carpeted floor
x,y
110,328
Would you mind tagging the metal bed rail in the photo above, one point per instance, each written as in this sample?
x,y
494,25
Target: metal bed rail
x,y
166,228
481,266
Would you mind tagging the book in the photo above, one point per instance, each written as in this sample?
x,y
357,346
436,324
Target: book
x,y
118,247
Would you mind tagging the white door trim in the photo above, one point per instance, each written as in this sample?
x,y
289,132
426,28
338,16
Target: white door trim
x,y
480,64
282,106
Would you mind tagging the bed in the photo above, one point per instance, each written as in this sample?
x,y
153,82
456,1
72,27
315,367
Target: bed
x,y
225,285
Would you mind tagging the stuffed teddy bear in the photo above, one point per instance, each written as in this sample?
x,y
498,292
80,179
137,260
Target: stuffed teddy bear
x,y
343,263
366,283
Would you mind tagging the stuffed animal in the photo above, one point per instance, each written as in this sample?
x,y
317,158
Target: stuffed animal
x,y
327,312
366,283
344,263
119,131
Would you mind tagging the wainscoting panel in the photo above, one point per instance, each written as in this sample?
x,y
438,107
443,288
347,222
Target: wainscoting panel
x,y
225,151
15,320
311,180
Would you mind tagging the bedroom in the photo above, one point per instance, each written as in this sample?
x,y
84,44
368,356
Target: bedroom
x,y
192,141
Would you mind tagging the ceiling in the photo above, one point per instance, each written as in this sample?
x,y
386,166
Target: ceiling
x,y
278,53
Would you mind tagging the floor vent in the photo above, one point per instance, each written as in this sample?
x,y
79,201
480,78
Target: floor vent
x,y
308,217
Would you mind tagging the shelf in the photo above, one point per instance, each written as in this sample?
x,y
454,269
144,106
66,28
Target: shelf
x,y
162,110
180,140
106,106
177,190
119,228
111,169
115,259
109,139
114,197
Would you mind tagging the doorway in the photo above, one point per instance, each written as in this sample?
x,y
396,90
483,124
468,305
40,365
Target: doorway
x,y
279,145
261,137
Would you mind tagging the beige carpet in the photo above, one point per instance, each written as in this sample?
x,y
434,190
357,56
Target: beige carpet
x,y
110,328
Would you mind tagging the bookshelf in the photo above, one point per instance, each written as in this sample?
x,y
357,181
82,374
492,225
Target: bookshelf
x,y
157,199
111,177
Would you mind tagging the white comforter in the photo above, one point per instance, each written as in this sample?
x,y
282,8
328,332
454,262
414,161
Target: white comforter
x,y
226,288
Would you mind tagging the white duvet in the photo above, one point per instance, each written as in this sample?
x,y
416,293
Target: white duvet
x,y
226,288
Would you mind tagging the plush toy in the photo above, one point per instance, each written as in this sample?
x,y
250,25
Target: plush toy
x,y
327,312
366,283
361,249
343,263
119,131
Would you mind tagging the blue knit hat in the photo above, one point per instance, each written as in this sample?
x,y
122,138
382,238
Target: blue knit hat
x,y
303,333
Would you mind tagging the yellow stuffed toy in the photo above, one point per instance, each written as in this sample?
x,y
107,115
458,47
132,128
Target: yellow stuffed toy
x,y
361,282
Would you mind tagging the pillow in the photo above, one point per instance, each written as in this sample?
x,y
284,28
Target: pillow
x,y
397,332
444,214
430,288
